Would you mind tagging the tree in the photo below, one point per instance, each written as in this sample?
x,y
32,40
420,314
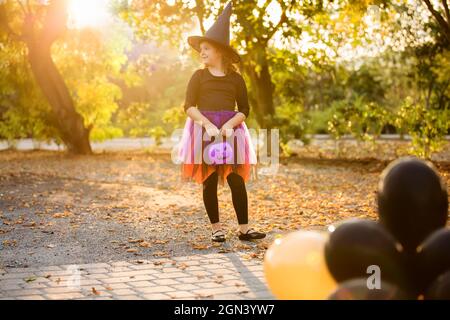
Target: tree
x,y
40,26
442,19
254,29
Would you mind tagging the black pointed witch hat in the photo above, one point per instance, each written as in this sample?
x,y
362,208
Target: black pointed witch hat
x,y
218,34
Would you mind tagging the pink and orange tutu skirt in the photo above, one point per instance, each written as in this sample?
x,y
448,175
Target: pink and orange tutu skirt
x,y
199,155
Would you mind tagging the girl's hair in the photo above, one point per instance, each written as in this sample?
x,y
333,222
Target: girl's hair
x,y
227,61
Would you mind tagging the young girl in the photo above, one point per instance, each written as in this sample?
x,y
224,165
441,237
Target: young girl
x,y
211,97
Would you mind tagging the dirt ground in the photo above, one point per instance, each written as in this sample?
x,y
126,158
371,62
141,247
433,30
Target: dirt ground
x,y
60,209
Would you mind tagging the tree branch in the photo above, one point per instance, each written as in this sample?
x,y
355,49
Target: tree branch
x,y
283,19
441,21
447,12
199,10
263,9
25,12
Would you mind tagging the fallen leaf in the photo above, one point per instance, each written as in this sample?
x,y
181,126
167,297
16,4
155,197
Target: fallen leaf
x,y
62,214
30,279
145,244
94,291
135,240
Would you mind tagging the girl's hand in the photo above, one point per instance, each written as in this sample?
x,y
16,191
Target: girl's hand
x,y
226,130
211,129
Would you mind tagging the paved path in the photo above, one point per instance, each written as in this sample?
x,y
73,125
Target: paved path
x,y
209,276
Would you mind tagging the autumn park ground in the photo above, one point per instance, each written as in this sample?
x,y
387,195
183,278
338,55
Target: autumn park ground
x,y
59,209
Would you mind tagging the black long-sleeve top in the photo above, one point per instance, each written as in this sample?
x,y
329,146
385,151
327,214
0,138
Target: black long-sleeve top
x,y
209,92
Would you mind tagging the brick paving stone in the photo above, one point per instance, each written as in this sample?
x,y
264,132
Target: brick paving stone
x,y
24,292
137,284
11,282
94,265
210,285
192,268
96,270
143,267
34,285
154,289
124,292
200,273
8,287
119,269
166,281
133,273
172,275
64,296
214,291
222,271
192,263
263,295
212,266
129,297
156,296
18,275
19,270
121,264
198,276
188,279
181,295
228,296
185,286
114,286
96,276
64,289
32,297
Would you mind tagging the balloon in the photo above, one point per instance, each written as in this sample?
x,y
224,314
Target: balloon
x,y
295,268
440,288
357,289
356,245
434,256
412,201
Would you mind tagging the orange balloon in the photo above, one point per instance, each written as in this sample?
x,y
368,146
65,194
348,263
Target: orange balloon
x,y
295,267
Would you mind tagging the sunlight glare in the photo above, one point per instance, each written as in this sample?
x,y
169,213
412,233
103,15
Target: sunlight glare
x,y
88,13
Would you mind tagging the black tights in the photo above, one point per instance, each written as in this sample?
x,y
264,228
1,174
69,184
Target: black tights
x,y
238,194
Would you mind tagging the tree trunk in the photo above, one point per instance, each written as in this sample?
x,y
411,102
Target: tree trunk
x,y
70,124
257,69
262,96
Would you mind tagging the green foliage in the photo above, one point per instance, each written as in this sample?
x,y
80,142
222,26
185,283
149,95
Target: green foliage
x,y
359,118
318,123
88,63
442,71
292,122
157,133
427,127
175,117
24,112
133,121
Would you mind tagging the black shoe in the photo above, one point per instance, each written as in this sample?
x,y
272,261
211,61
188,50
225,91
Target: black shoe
x,y
218,236
251,235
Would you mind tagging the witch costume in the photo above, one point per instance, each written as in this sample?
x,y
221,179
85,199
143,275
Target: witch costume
x,y
216,97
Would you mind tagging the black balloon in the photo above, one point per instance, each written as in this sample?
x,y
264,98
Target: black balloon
x,y
433,256
412,201
357,289
357,244
440,288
